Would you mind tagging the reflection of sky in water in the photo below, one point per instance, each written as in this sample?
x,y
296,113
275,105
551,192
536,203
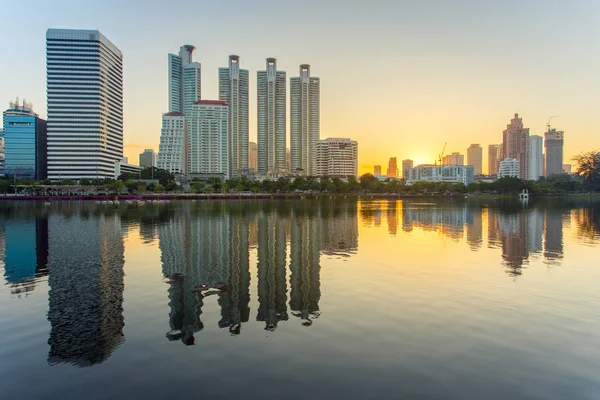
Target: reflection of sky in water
x,y
396,298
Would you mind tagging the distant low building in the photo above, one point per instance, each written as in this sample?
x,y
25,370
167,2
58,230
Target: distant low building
x,y
122,166
508,167
441,173
567,169
377,170
337,157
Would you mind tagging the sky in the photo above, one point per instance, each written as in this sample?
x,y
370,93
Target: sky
x,y
400,77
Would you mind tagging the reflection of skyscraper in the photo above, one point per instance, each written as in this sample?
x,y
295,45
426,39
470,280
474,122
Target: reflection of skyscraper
x,y
513,236
392,217
474,228
306,269
26,251
85,263
553,235
449,221
535,227
272,288
340,227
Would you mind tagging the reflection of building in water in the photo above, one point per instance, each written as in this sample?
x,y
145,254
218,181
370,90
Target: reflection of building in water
x,y
204,255
339,228
535,227
305,267
392,216
449,221
26,252
513,237
474,228
493,228
553,235
272,288
85,263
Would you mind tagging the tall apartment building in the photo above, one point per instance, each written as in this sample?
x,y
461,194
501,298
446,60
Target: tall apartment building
x,y
148,158
184,80
85,104
304,121
208,139
555,141
494,157
1,152
377,170
172,149
337,157
24,143
509,167
252,156
233,89
271,85
454,159
392,171
475,158
536,157
515,140
406,166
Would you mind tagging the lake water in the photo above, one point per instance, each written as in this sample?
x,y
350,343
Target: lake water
x,y
303,299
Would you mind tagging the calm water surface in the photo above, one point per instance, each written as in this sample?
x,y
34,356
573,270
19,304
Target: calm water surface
x,y
300,299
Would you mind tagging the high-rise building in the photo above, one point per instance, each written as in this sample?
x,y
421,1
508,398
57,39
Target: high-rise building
x,y
454,159
555,141
208,139
148,158
271,85
494,157
377,170
85,104
184,80
233,89
304,121
1,152
337,157
475,158
406,166
392,171
252,156
515,140
25,142
172,150
536,157
508,167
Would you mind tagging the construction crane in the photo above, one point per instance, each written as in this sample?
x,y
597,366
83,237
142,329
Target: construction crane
x,y
550,119
441,156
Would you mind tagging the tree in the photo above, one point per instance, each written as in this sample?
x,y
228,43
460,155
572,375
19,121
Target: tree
x,y
588,168
119,186
369,183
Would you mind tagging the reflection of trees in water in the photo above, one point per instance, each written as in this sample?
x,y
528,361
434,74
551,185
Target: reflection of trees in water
x,y
587,221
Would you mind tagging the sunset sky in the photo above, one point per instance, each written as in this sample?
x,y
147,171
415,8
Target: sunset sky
x,y
400,77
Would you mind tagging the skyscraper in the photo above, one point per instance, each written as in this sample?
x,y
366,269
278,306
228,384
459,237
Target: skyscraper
x,y
515,140
233,89
377,170
406,166
184,80
148,158
554,151
475,158
454,159
252,156
392,171
85,104
304,121
207,138
172,150
25,142
337,157
271,119
493,158
536,157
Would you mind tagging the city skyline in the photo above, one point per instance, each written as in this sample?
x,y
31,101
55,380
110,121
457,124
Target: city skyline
x,y
430,104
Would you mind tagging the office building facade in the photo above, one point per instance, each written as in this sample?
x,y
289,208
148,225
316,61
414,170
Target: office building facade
x,y
475,158
392,171
494,157
85,104
536,157
515,142
377,170
208,139
454,159
25,143
304,121
271,94
337,157
172,149
554,143
185,81
441,173
406,166
233,89
148,158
